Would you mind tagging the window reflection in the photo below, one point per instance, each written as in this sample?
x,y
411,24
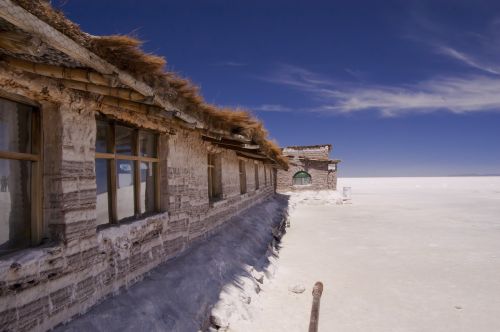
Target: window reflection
x,y
15,126
102,137
148,144
124,140
147,187
126,179
101,173
125,188
15,180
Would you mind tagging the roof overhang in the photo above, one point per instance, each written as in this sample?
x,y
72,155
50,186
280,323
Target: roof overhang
x,y
31,24
102,77
242,149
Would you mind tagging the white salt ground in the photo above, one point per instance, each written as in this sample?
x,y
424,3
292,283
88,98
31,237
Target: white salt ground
x,y
409,254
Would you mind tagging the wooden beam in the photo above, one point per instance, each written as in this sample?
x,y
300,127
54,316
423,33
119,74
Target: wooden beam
x,y
137,174
89,81
79,79
73,74
157,173
36,179
237,148
18,156
112,174
230,142
21,43
125,94
129,105
251,155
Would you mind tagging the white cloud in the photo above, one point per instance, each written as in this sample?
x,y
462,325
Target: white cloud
x,y
453,94
271,108
457,95
468,60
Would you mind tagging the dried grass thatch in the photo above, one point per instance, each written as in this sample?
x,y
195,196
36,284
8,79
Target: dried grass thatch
x,y
125,53
119,50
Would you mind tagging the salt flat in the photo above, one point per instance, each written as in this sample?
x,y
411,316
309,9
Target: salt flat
x,y
409,254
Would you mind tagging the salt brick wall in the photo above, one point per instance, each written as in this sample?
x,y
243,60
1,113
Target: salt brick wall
x,y
321,178
310,153
43,286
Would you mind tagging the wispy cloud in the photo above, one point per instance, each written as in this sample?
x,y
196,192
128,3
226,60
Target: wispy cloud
x,y
473,90
453,94
475,49
297,77
468,60
270,108
229,64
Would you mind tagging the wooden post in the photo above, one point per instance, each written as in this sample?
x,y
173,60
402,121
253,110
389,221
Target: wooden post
x,y
316,293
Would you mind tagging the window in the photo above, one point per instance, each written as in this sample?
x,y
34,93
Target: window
x,y
243,177
265,176
214,177
271,176
301,178
126,171
20,182
256,176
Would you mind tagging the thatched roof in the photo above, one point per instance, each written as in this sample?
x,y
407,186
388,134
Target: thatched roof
x,y
125,53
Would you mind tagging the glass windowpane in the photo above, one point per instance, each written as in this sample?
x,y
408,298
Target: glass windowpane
x,y
148,187
15,204
102,173
147,144
15,126
301,178
125,188
102,137
124,140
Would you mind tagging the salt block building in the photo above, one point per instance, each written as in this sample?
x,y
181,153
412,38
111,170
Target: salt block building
x,y
109,165
310,168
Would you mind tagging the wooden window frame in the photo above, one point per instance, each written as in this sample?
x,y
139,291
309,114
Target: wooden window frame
x,y
35,227
136,157
243,176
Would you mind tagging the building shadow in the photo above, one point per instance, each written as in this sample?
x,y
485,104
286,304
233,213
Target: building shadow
x,y
178,295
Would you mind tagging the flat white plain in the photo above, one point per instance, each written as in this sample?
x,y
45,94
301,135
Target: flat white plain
x,y
409,254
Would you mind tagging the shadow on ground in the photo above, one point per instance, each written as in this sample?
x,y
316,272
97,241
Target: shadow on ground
x,y
178,295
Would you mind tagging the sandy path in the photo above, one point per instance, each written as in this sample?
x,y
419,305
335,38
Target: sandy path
x,y
410,254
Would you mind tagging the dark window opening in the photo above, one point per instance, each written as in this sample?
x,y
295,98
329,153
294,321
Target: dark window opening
x,y
214,177
243,177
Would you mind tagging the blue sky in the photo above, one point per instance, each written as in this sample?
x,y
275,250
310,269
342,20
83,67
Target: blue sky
x,y
398,87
